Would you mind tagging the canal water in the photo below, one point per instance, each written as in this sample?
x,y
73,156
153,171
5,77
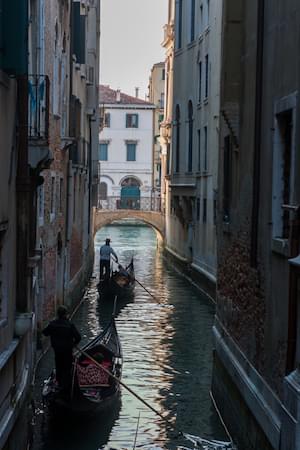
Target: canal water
x,y
167,347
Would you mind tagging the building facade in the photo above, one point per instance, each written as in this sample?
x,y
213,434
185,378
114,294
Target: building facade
x,y
191,217
256,367
125,151
157,98
42,264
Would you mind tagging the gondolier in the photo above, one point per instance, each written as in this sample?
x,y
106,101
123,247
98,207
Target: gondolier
x,y
105,252
64,336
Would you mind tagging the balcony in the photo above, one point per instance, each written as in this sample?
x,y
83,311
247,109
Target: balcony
x,y
38,108
38,121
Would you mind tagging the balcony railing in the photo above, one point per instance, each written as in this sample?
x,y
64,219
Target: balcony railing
x,y
38,107
133,203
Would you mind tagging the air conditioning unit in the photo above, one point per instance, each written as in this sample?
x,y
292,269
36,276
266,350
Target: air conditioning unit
x,y
89,74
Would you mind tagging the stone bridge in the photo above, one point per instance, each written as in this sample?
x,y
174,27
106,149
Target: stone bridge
x,y
104,217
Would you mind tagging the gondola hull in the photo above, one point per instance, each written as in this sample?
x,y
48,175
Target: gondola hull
x,y
90,392
118,285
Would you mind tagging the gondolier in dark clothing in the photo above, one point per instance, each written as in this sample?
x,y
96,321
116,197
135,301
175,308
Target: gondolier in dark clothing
x,y
105,252
64,336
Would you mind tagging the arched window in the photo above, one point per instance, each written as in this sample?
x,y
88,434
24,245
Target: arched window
x,y
190,146
103,191
177,143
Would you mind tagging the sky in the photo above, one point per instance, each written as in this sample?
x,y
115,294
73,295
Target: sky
x,y
131,37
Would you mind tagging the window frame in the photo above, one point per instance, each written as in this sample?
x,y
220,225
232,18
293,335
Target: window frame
x,y
134,147
128,121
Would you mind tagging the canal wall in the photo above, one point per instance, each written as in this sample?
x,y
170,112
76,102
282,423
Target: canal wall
x,y
204,281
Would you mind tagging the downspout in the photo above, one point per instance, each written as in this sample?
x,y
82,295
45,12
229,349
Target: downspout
x,y
257,131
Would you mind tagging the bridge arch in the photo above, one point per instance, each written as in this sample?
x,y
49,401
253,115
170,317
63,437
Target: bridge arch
x,y
152,218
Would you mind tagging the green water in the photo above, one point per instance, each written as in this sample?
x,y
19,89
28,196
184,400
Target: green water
x,y
167,346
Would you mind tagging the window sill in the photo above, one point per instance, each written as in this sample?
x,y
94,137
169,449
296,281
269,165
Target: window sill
x,y
281,247
205,101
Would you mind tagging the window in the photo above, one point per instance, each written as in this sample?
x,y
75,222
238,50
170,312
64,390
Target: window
x,y
103,152
207,12
198,209
74,196
162,100
41,197
61,187
199,81
52,199
103,191
201,18
205,147
199,150
192,36
282,161
168,159
179,24
204,215
227,179
131,151
132,120
106,120
177,137
215,211
160,118
190,145
163,75
206,76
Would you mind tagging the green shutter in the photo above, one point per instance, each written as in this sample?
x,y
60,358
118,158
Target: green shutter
x,y
78,33
14,36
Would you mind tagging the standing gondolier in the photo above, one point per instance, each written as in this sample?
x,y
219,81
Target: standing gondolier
x,y
64,337
105,252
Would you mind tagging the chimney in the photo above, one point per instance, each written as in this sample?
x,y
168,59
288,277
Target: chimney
x,y
118,95
137,92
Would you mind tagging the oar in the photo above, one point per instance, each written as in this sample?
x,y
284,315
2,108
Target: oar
x,y
155,298
127,387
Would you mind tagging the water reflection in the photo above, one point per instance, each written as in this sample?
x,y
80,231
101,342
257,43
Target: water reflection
x,y
167,349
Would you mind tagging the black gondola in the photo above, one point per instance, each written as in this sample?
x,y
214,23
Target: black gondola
x,y
120,283
92,388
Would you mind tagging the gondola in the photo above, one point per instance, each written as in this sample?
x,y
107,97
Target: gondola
x,y
120,283
93,390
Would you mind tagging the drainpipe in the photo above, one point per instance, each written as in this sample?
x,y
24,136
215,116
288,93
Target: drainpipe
x,y
257,130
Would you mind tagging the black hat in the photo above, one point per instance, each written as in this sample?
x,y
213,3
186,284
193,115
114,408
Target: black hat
x,y
107,240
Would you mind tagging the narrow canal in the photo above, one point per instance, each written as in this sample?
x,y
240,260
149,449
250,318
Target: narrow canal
x,y
167,346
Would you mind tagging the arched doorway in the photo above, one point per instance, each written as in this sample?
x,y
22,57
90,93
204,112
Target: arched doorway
x,y
130,193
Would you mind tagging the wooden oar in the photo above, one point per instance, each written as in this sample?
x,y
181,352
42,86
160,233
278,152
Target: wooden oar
x,y
127,387
155,298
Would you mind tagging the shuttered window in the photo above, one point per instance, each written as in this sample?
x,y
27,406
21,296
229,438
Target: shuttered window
x,y
132,121
131,152
103,152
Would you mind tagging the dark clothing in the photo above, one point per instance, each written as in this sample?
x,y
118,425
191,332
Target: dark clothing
x,y
63,365
104,265
64,336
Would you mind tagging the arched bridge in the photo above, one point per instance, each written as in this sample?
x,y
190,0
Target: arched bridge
x,y
104,217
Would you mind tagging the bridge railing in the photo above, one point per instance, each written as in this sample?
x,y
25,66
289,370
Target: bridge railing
x,y
138,204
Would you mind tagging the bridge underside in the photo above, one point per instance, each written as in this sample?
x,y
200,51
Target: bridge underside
x,y
105,217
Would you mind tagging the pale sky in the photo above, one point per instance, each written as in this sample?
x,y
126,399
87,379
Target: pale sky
x,y
131,37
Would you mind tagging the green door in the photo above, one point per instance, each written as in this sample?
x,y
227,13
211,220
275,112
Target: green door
x,y
130,197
